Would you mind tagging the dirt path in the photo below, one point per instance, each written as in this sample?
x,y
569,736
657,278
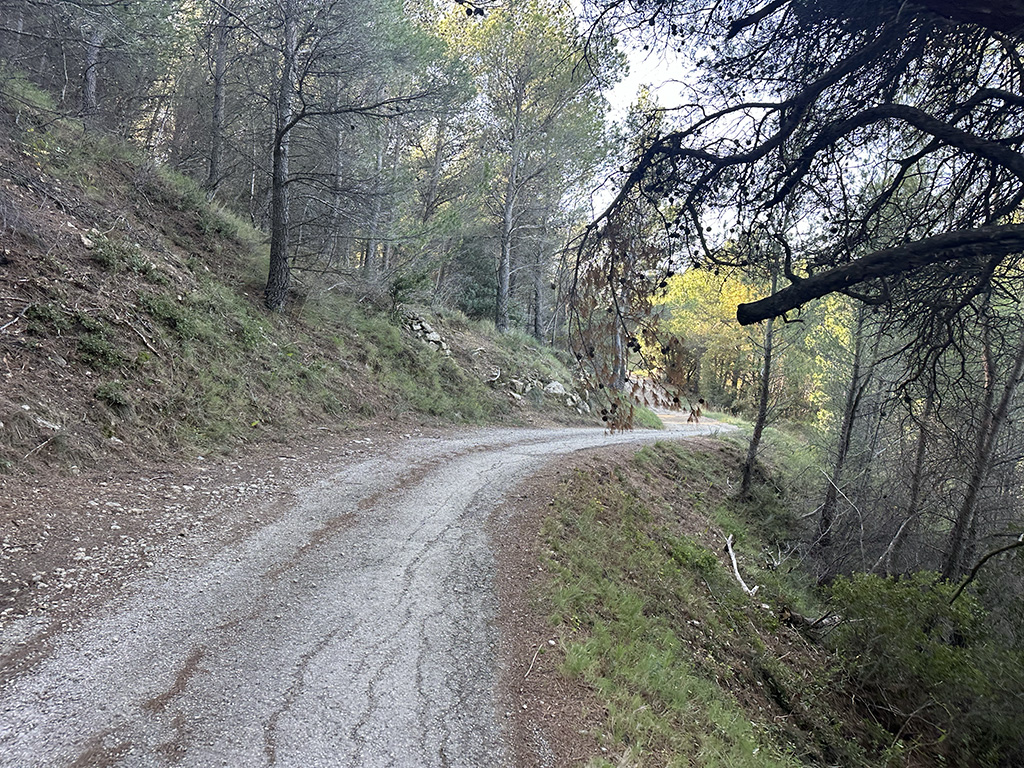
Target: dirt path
x,y
354,626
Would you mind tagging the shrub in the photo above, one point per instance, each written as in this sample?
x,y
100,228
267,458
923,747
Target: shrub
x,y
47,319
113,394
95,345
929,670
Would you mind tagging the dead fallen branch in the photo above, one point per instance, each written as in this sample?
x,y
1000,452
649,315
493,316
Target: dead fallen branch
x,y
17,317
974,571
39,447
130,326
736,568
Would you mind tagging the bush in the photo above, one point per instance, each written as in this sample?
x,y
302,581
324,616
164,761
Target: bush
x,y
928,671
113,394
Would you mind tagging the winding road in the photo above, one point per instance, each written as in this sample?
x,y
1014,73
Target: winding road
x,y
356,629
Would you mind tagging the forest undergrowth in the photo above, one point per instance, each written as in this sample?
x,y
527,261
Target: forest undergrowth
x,y
132,322
690,669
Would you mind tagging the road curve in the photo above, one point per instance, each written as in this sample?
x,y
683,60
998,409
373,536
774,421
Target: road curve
x,y
355,630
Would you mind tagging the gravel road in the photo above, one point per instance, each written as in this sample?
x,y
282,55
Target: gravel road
x,y
355,629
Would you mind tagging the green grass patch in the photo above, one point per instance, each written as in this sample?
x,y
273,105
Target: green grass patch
x,y
19,92
645,418
686,665
727,418
97,344
166,303
117,255
113,393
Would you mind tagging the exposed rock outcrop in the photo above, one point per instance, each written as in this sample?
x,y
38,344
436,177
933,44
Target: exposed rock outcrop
x,y
426,333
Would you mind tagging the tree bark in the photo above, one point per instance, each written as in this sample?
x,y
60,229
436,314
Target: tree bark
x,y
509,203
371,264
279,277
828,508
504,294
983,242
762,398
217,121
538,283
992,424
619,360
90,77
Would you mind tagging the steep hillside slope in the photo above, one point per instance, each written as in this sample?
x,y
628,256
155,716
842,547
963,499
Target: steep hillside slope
x,y
131,322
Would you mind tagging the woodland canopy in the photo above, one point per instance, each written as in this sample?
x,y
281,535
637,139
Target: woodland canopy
x,y
877,144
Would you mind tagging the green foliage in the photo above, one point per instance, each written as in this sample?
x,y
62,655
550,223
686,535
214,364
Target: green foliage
x,y
703,351
96,343
404,286
96,350
689,554
176,189
478,281
117,255
931,673
171,313
651,620
47,319
113,394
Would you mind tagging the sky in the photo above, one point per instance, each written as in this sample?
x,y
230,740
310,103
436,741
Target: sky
x,y
648,68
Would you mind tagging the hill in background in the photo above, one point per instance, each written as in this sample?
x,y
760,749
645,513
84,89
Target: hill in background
x,y
131,322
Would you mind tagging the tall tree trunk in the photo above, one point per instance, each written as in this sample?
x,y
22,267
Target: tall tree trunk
x,y
538,302
503,299
892,552
217,121
960,535
538,283
333,240
432,193
333,236
279,277
619,359
90,103
371,264
853,392
764,390
921,450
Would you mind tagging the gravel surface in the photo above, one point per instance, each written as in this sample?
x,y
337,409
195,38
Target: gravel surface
x,y
349,622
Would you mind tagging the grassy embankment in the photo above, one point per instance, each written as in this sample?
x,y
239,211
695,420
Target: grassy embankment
x,y
689,670
133,319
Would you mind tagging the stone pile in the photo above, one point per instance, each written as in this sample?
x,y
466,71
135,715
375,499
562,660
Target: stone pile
x,y
425,332
518,388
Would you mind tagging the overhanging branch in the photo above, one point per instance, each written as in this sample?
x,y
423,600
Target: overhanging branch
x,y
985,242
